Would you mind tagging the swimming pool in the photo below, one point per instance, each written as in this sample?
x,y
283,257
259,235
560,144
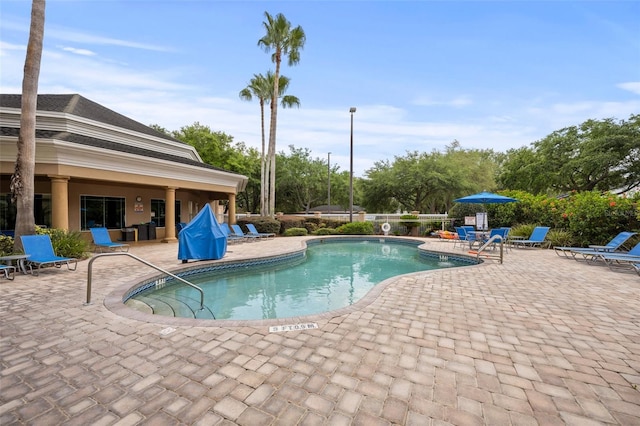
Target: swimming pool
x,y
331,274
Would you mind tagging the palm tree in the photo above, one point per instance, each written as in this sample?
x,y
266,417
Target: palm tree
x,y
22,180
287,41
262,88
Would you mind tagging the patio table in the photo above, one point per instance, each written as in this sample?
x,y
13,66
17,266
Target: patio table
x,y
18,258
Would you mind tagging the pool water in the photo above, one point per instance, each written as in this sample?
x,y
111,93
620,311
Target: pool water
x,y
332,275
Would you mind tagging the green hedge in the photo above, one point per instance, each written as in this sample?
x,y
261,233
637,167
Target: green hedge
x,y
263,224
356,228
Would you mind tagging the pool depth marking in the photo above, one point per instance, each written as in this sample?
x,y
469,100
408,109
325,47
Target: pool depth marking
x,y
293,327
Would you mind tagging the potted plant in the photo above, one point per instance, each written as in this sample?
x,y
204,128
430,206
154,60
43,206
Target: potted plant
x,y
411,222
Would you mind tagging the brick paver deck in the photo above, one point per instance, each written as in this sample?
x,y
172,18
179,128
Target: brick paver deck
x,y
538,340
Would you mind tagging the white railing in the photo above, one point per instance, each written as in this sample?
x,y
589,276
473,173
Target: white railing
x,y
427,221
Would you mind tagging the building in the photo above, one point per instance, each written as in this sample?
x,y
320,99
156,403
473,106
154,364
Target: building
x,y
95,167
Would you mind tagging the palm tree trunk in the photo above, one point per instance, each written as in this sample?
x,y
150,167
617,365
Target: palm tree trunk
x,y
22,180
272,137
263,168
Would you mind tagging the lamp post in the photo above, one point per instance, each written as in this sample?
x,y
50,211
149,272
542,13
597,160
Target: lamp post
x,y
328,182
352,110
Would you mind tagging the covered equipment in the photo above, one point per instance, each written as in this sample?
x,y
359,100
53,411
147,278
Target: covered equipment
x,y
202,238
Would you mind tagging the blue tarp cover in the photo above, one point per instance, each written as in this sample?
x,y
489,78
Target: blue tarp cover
x,y
202,238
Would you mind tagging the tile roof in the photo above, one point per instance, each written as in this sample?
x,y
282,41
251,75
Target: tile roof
x,y
113,146
80,106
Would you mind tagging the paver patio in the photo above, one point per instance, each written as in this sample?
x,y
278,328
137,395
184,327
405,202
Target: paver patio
x,y
538,340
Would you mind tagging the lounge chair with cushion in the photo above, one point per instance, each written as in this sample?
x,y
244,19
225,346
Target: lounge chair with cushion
x,y
8,271
102,240
612,246
253,231
537,238
41,254
238,231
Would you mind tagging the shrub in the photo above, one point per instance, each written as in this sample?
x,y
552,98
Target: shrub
x,y
6,245
295,232
311,227
356,228
288,222
594,218
560,238
522,230
409,220
263,224
66,243
325,231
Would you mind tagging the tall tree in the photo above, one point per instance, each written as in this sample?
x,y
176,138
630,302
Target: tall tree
x,y
302,181
218,149
22,180
601,155
286,41
261,87
428,182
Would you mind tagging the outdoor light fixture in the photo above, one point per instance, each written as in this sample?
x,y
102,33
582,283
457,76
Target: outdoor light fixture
x,y
352,110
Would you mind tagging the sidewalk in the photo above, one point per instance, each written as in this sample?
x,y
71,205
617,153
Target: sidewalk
x,y
538,340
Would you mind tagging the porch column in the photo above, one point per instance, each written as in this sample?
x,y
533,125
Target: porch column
x,y
169,215
232,209
215,208
60,202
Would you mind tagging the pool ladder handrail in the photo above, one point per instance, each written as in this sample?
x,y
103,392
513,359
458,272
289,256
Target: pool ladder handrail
x,y
157,268
489,242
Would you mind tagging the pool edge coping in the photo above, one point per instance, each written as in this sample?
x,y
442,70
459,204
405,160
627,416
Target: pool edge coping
x,y
113,301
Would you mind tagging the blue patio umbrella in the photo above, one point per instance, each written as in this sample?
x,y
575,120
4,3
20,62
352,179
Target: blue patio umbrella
x,y
485,198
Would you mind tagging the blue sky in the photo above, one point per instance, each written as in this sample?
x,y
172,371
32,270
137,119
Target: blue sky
x,y
421,74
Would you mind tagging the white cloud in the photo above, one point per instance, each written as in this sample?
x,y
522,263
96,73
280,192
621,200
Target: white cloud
x,y
83,52
632,86
4,46
455,102
170,97
58,33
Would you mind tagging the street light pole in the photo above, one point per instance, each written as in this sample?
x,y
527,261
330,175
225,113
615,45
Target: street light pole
x,y
352,110
328,182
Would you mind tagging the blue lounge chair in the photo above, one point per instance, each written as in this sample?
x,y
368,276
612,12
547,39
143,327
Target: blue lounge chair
x,y
41,254
253,231
631,256
231,237
610,247
8,271
535,240
502,232
238,231
463,235
102,240
633,261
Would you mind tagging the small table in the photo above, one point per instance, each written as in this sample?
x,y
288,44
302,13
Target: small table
x,y
478,237
19,258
